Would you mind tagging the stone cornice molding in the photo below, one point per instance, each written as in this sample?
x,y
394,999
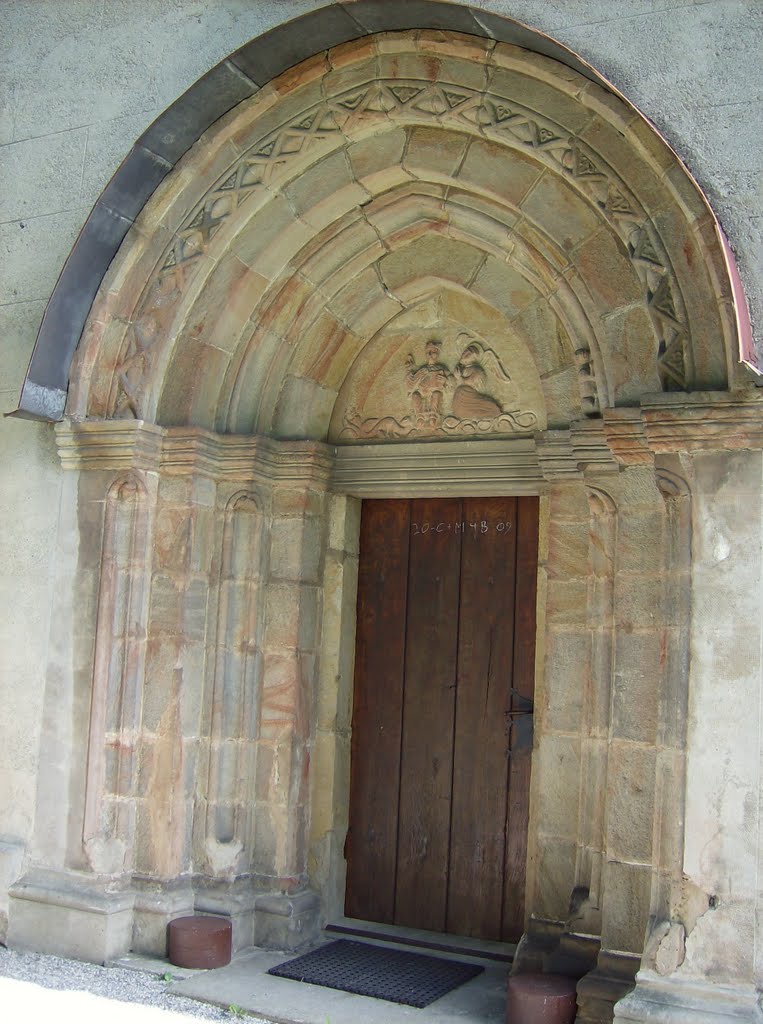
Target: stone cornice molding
x,y
684,422
109,445
630,436
568,454
233,456
130,444
624,429
703,422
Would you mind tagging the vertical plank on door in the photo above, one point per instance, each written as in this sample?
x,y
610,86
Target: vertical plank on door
x,y
428,710
485,660
377,710
521,732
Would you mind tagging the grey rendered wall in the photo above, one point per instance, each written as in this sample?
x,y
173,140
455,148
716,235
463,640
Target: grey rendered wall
x,y
81,79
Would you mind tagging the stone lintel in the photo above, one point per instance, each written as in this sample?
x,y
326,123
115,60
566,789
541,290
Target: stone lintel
x,y
677,999
663,423
422,469
69,915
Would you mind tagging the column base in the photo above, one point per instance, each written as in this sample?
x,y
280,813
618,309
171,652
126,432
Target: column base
x,y
234,900
156,904
599,990
539,942
286,922
675,1000
55,912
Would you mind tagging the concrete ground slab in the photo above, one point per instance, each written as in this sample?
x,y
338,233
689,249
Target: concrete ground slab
x,y
245,983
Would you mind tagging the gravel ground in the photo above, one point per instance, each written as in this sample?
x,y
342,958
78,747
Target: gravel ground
x,y
87,993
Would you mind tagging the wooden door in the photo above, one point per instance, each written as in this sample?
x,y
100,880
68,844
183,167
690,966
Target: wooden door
x,y
442,723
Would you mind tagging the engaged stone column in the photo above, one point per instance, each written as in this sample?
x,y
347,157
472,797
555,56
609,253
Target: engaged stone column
x,y
173,698
701,961
291,643
81,902
628,573
330,783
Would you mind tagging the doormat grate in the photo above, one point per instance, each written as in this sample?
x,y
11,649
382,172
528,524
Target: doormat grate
x,y
366,970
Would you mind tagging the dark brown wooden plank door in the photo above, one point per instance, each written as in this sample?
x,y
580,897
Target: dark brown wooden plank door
x,y
443,678
521,734
426,764
485,660
377,710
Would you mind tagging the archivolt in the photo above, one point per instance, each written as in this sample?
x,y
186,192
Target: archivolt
x,y
490,147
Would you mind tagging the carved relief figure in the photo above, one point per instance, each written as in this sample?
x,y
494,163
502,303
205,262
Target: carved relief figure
x,y
471,400
445,402
427,385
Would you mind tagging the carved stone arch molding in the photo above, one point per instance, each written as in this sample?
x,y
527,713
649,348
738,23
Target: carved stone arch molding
x,y
310,213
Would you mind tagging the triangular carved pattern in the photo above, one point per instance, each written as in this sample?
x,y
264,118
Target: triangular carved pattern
x,y
267,160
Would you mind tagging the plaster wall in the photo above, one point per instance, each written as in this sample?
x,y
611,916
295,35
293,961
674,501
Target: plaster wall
x,y
80,81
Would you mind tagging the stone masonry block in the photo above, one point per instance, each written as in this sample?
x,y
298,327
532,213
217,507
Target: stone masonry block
x,y
568,550
556,207
11,866
286,922
395,15
71,301
209,98
625,910
490,168
554,879
303,410
283,47
558,785
295,549
51,913
637,685
154,909
566,678
567,602
630,801
430,254
318,182
376,153
432,150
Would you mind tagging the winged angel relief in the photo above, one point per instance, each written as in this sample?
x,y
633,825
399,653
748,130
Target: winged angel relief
x,y
444,401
